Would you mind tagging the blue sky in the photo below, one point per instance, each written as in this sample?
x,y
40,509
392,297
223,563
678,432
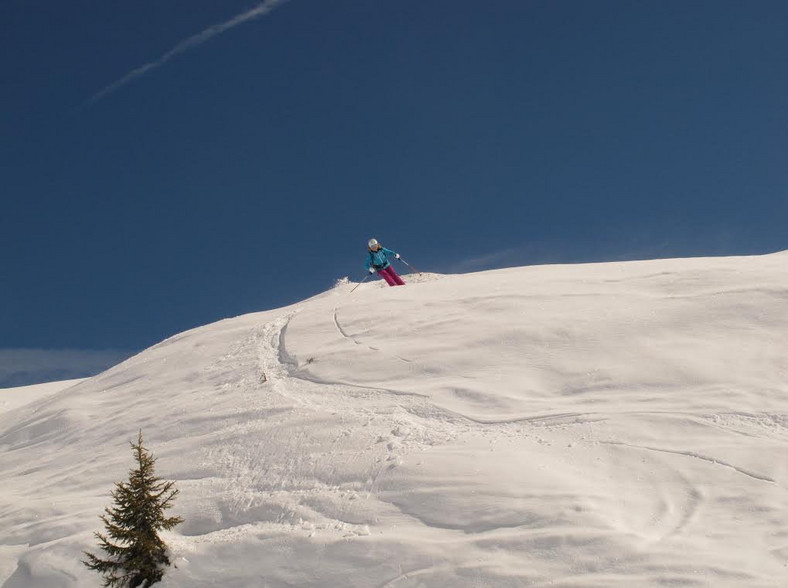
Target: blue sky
x,y
170,163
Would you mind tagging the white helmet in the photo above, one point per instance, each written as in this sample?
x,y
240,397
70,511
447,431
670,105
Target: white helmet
x,y
373,243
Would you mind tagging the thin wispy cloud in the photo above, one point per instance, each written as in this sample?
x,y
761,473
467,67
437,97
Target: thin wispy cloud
x,y
496,259
258,11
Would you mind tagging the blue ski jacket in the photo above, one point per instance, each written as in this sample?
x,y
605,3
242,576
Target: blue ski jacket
x,y
378,259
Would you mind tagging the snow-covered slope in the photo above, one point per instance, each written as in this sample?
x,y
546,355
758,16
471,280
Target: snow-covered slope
x,y
11,398
601,425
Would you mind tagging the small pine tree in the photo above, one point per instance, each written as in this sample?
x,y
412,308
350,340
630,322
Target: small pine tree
x,y
136,554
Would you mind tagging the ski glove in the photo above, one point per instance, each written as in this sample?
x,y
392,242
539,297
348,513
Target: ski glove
x,y
396,256
372,270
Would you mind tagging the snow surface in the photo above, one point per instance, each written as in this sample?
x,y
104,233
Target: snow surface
x,y
11,398
600,425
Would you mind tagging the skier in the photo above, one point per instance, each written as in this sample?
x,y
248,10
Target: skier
x,y
377,262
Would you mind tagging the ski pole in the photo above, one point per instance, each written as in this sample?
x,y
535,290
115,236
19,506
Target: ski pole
x,y
361,282
413,269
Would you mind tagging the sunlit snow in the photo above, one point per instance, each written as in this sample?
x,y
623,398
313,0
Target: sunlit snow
x,y
601,425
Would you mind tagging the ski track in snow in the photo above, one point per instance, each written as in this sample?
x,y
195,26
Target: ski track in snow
x,y
694,455
357,342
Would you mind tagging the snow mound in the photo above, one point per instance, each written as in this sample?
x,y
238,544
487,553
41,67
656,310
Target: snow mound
x,y
412,278
594,425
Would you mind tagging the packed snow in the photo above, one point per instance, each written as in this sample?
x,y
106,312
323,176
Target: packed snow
x,y
600,425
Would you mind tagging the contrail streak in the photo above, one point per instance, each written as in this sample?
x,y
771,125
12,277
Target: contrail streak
x,y
261,9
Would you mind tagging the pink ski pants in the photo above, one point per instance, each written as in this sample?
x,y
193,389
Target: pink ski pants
x,y
391,276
